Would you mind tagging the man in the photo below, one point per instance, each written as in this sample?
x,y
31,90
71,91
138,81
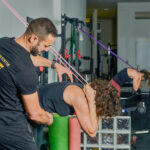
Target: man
x,y
18,84
98,98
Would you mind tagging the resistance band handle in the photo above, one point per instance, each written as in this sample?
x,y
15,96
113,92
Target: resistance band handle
x,y
66,55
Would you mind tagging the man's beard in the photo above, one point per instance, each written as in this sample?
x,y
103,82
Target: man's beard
x,y
34,50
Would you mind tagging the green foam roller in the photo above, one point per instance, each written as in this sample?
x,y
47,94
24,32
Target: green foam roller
x,y
59,133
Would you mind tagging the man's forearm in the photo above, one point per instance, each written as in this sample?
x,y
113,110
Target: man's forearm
x,y
60,69
41,61
34,110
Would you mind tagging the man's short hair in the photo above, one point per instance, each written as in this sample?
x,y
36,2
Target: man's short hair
x,y
41,27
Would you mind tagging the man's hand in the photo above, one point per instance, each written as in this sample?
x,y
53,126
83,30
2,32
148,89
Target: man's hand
x,y
63,70
50,118
44,62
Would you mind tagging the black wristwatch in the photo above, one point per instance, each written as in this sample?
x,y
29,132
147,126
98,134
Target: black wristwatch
x,y
53,64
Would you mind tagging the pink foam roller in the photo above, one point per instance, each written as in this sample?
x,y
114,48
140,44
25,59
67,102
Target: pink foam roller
x,y
74,134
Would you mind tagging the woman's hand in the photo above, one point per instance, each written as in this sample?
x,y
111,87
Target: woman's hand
x,y
136,76
90,93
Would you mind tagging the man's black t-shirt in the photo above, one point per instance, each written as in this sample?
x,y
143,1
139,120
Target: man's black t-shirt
x,y
17,76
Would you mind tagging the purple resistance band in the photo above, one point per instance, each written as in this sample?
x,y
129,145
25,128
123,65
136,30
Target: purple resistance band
x,y
91,37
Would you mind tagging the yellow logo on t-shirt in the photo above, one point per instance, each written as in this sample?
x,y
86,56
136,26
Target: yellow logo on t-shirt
x,y
1,66
5,62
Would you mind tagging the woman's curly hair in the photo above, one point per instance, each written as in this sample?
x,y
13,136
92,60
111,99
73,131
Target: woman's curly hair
x,y
106,99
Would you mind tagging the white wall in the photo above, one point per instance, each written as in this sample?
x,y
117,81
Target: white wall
x,y
130,30
74,8
10,26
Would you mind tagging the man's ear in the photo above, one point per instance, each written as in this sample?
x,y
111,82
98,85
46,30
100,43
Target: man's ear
x,y
33,39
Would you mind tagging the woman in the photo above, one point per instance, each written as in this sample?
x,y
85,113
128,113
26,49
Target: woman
x,y
98,98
